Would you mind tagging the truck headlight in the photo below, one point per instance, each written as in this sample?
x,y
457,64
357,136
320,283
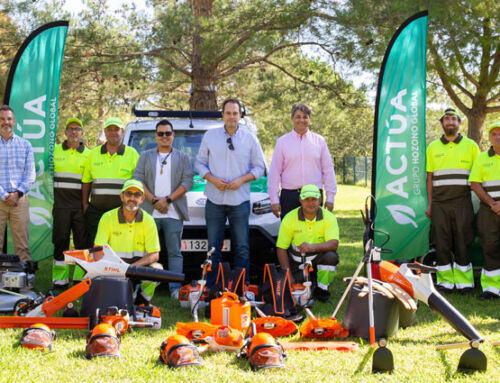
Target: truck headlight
x,y
262,206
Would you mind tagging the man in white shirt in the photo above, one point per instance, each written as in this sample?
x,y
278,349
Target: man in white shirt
x,y
167,175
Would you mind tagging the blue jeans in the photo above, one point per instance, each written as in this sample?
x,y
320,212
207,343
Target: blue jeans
x,y
215,216
172,233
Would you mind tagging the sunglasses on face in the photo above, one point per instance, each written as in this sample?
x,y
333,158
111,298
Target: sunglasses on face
x,y
161,134
230,143
131,194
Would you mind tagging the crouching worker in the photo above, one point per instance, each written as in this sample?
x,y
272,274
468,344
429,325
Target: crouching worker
x,y
313,231
132,234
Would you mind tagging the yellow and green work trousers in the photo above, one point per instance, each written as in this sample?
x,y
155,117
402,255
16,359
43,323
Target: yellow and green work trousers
x,y
452,234
488,224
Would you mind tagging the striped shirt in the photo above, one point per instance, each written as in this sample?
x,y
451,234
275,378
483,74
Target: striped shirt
x,y
17,166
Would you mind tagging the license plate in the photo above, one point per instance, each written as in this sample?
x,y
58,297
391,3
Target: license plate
x,y
201,245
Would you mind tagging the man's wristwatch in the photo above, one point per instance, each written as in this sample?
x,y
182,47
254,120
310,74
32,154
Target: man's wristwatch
x,y
168,199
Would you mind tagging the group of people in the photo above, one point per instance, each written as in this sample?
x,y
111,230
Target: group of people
x,y
454,167
111,195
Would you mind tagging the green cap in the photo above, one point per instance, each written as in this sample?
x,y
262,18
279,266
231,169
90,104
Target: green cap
x,y
74,119
113,121
133,184
309,191
493,126
450,111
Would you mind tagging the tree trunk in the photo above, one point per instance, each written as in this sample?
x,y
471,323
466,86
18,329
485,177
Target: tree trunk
x,y
203,89
475,127
476,116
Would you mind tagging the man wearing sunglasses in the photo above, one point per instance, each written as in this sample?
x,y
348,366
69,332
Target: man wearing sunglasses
x,y
229,158
167,175
131,233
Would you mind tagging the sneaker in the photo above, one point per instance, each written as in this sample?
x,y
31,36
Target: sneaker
x,y
466,291
175,294
488,295
321,295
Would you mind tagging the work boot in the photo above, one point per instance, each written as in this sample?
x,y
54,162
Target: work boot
x,y
488,295
443,290
321,295
466,291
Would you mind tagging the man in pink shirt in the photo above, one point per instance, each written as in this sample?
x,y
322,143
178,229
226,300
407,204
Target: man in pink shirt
x,y
300,158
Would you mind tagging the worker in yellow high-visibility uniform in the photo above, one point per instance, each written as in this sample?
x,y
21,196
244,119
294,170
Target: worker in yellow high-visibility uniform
x,y
485,181
67,213
449,160
132,234
107,168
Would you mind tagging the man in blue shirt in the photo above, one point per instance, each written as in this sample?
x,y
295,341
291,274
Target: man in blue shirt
x,y
229,158
17,174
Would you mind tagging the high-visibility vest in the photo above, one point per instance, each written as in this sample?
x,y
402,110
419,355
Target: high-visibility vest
x,y
69,165
486,171
450,163
107,173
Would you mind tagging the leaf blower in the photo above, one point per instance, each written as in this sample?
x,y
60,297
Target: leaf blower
x,y
422,288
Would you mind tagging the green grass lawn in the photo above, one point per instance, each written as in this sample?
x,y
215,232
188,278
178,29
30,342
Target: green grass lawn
x,y
414,348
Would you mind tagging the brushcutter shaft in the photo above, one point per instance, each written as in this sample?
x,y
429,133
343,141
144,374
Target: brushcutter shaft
x,y
351,283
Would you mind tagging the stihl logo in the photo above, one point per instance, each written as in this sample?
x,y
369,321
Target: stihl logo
x,y
278,288
111,269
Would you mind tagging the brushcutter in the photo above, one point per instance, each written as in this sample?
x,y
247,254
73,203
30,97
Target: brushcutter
x,y
198,330
422,288
194,294
274,325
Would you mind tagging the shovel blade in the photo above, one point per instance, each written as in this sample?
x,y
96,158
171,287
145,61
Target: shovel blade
x,y
472,360
382,361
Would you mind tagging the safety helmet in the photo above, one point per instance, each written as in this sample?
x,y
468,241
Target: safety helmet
x,y
177,351
38,336
265,352
103,341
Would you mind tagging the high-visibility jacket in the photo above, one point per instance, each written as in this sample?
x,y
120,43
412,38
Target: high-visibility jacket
x,y
69,165
295,229
107,173
486,171
450,163
130,241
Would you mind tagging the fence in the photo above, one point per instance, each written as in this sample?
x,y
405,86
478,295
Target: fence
x,y
353,170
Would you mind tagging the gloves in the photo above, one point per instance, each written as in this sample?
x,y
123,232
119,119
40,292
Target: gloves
x,y
390,290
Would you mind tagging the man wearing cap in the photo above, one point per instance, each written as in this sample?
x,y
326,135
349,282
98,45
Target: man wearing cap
x,y
229,158
107,168
485,182
449,161
67,213
17,174
313,231
167,175
131,233
300,157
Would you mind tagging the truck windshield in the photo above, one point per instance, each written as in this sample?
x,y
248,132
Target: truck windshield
x,y
186,141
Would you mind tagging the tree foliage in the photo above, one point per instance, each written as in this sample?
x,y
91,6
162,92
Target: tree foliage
x,y
463,44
